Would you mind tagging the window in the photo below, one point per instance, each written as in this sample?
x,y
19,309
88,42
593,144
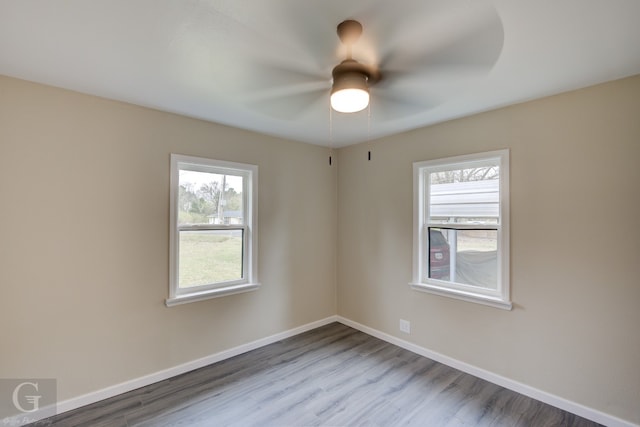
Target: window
x,y
213,235
461,227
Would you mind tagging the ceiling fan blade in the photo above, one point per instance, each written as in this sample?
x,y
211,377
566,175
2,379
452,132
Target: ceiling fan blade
x,y
479,49
271,75
393,104
289,90
470,39
311,28
289,106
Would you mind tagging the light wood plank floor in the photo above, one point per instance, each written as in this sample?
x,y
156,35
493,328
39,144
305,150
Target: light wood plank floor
x,y
331,376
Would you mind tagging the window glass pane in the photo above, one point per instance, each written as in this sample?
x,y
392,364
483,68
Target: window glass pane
x,y
201,199
439,255
465,196
209,256
468,257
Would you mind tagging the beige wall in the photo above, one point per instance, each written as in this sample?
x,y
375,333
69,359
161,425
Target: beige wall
x,y
84,242
84,228
575,245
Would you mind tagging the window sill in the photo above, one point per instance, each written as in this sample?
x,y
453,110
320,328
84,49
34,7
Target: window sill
x,y
211,293
464,296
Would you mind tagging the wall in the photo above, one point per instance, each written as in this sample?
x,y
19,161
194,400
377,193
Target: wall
x,y
575,245
84,229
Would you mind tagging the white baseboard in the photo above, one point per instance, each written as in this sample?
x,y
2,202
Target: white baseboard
x,y
105,393
96,396
558,402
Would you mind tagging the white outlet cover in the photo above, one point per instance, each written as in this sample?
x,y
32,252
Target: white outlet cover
x,y
405,326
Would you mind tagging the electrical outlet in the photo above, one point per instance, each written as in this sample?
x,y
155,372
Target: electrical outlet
x,y
405,326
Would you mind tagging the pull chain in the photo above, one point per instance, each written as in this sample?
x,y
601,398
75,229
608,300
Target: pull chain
x,y
330,136
369,132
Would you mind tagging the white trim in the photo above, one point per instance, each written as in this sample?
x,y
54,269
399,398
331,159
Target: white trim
x,y
450,226
461,295
211,227
518,387
105,393
418,212
211,293
249,280
500,297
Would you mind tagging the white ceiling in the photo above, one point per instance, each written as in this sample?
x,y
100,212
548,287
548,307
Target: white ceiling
x,y
266,65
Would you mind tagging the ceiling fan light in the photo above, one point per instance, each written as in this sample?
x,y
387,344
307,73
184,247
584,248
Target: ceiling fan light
x,y
350,100
350,93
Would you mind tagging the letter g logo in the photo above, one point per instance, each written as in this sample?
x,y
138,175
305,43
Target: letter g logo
x,y
32,399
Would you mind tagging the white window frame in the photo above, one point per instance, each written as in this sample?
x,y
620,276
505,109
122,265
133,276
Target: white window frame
x,y
249,279
499,297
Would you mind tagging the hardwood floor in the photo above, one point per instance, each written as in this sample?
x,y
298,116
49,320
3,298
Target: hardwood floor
x,y
331,376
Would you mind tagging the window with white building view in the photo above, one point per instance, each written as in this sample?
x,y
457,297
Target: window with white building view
x,y
213,228
461,230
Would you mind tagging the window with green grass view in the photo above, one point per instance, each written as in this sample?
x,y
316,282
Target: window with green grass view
x,y
213,233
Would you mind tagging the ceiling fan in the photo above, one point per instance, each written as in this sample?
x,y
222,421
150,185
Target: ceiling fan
x,y
351,79
404,76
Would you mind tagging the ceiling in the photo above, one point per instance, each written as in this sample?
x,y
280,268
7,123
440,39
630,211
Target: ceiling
x,y
266,65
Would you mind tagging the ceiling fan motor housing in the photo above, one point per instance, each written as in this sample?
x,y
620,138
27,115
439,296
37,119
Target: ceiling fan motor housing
x,y
351,71
349,79
350,91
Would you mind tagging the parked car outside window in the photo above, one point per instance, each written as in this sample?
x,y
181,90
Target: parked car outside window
x,y
438,255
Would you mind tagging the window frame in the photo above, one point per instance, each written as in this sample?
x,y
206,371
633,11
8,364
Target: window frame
x,y
499,297
249,228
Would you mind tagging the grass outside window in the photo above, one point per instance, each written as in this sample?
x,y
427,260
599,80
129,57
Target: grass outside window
x,y
210,256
